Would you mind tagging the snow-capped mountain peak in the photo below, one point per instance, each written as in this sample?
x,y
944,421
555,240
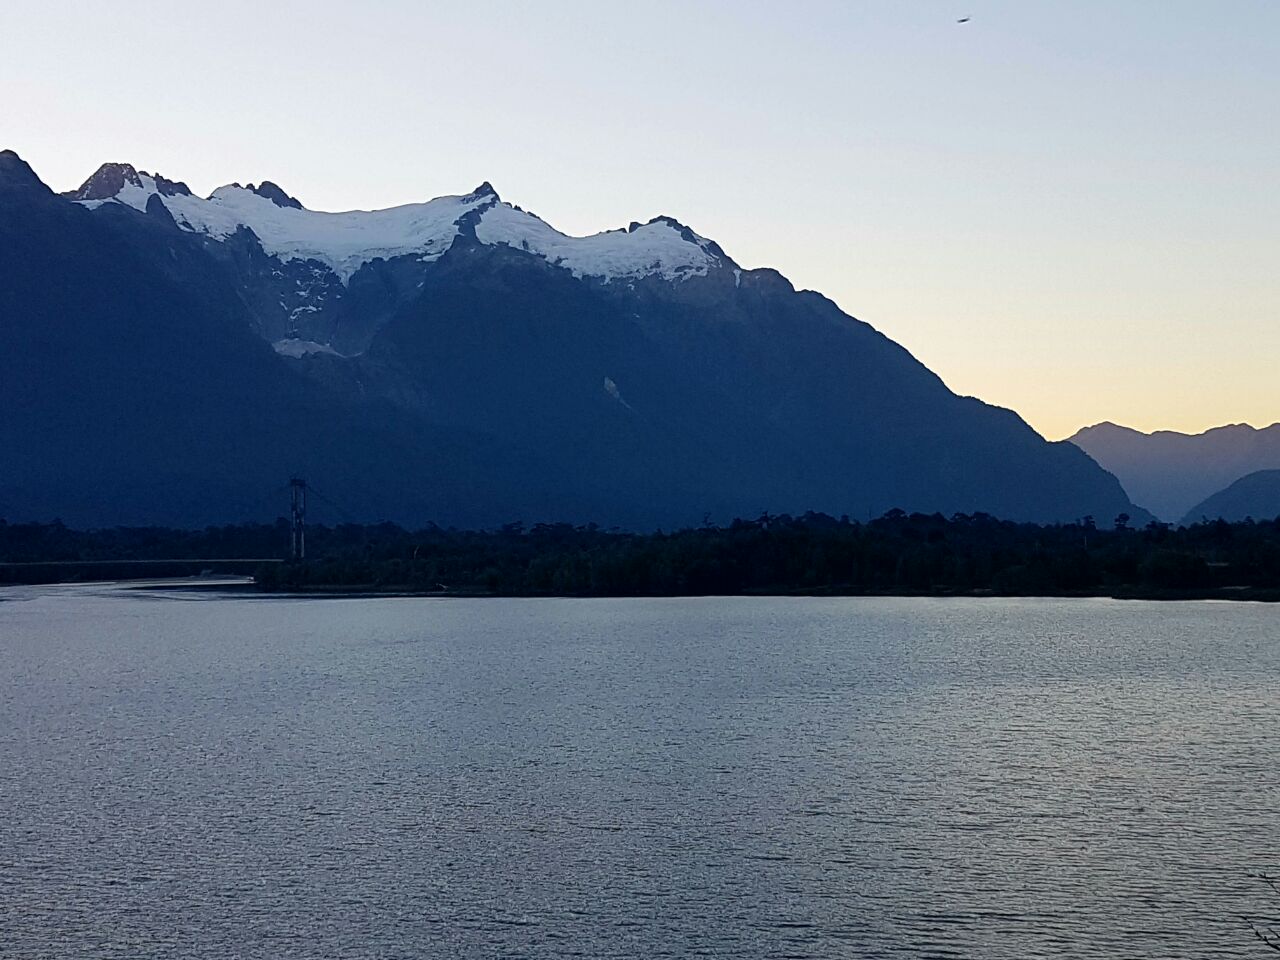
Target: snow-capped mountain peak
x,y
108,181
347,241
123,183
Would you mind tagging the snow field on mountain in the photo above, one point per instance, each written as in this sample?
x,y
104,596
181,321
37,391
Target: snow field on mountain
x,y
347,241
655,248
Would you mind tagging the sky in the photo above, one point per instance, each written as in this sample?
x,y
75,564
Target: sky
x,y
1069,209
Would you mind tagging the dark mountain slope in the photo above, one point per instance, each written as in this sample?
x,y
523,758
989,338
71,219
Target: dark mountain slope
x,y
721,395
132,389
1256,495
637,378
1168,472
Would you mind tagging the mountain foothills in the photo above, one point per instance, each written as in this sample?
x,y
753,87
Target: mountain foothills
x,y
173,360
1170,473
1254,496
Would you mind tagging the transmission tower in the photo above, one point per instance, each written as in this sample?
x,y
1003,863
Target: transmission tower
x,y
298,511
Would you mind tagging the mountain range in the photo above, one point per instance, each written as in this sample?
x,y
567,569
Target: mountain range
x,y
173,359
1170,473
1255,495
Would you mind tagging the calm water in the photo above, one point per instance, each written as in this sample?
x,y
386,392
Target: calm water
x,y
192,776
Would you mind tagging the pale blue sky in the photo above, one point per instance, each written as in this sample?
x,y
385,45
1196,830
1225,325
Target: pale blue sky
x,y
1071,209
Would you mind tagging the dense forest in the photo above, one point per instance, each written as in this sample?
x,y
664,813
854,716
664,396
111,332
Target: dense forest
x,y
898,553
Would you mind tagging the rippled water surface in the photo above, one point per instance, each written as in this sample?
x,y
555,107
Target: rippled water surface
x,y
202,776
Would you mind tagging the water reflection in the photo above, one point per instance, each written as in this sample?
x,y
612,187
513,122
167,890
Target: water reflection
x,y
634,778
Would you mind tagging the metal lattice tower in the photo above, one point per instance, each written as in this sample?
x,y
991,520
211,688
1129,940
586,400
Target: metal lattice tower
x,y
298,513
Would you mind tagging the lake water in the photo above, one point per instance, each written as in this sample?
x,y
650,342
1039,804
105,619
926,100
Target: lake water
x,y
187,775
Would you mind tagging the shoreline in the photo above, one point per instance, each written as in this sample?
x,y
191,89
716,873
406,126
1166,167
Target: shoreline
x,y
369,591
248,587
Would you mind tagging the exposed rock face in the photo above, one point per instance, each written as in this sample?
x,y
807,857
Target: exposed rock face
x,y
171,188
275,195
107,182
111,179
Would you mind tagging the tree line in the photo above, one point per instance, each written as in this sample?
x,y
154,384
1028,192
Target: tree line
x,y
898,553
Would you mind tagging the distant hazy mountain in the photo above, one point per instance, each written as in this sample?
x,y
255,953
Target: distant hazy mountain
x,y
1168,472
173,359
1256,495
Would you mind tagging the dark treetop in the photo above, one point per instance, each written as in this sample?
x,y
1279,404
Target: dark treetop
x,y
897,554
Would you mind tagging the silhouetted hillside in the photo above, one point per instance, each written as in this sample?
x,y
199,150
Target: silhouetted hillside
x,y
1168,472
1256,495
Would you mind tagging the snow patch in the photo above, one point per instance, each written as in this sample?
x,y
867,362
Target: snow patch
x,y
301,348
612,390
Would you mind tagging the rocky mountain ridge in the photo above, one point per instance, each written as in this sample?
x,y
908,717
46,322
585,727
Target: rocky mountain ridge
x,y
460,361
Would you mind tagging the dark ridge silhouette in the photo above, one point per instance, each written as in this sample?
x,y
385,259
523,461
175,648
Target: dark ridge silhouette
x,y
1169,472
1256,495
139,384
